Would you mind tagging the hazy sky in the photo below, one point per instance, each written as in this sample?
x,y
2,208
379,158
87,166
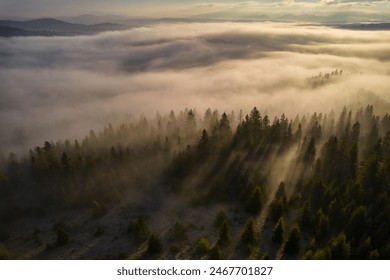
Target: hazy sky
x,y
174,8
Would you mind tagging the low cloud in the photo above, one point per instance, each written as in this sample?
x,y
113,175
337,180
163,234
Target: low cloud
x,y
61,87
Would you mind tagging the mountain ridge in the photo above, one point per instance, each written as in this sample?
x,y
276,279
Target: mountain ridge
x,y
54,27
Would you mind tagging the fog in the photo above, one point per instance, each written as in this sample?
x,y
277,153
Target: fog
x,y
61,87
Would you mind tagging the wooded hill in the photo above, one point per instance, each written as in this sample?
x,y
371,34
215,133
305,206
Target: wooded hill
x,y
311,187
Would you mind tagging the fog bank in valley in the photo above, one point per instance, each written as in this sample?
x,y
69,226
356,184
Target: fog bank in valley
x,y
61,87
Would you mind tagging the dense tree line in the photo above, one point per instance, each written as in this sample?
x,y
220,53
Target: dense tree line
x,y
320,183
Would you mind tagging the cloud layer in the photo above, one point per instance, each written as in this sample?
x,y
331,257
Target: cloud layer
x,y
60,87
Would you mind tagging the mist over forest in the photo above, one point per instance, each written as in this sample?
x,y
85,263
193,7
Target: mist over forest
x,y
217,140
60,87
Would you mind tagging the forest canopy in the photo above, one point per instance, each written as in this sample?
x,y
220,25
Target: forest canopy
x,y
314,186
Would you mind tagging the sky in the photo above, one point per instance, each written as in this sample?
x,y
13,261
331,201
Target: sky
x,y
224,9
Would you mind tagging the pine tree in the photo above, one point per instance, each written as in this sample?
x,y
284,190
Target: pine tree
x,y
224,237
340,249
292,243
250,235
279,231
256,201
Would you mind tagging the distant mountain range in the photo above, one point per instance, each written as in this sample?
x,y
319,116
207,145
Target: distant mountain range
x,y
365,26
53,27
6,31
91,19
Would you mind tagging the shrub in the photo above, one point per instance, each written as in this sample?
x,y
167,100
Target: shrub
x,y
99,231
99,209
179,232
5,254
3,234
202,246
220,218
62,237
141,231
154,244
216,253
175,249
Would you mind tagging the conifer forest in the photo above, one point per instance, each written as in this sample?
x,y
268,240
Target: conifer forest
x,y
192,185
196,138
